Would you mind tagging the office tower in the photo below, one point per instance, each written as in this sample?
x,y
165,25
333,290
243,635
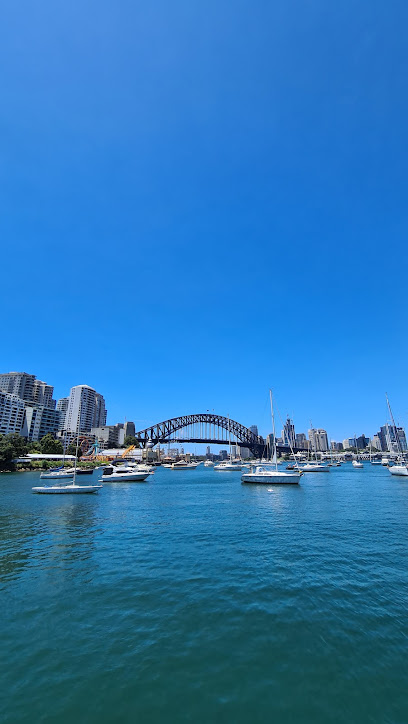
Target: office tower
x,y
318,440
129,429
301,440
288,433
254,429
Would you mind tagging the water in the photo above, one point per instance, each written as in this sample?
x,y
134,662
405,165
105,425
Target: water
x,y
193,598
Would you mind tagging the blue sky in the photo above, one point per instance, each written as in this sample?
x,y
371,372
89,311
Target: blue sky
x,y
202,200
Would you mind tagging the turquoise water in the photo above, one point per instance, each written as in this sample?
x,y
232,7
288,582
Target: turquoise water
x,y
193,598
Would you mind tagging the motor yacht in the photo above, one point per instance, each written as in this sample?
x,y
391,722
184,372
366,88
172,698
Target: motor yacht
x,y
208,464
228,466
123,473
182,465
357,464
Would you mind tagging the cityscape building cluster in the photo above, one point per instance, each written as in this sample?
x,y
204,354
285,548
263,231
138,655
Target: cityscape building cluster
x,y
28,408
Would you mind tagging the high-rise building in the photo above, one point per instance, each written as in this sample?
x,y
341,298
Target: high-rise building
x,y
336,446
40,421
28,388
318,440
392,439
254,429
12,414
129,429
86,409
376,442
288,433
301,440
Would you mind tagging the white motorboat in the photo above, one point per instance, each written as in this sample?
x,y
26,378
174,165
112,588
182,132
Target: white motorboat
x,y
385,461
357,464
268,476
375,462
208,464
183,465
314,468
123,473
227,466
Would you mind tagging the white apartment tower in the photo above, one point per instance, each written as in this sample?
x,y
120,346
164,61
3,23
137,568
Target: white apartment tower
x,y
86,409
318,440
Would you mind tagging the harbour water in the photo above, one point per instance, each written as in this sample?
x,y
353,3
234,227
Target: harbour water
x,y
194,598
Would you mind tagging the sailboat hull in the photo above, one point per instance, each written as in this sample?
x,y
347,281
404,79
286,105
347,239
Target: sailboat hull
x,y
67,489
271,477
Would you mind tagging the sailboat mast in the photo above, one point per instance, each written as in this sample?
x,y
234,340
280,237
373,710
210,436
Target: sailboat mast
x,y
394,426
275,459
229,437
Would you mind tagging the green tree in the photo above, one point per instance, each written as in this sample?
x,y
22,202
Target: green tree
x,y
130,440
6,452
50,446
19,444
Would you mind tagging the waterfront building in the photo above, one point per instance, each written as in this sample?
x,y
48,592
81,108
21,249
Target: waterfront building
x,y
12,414
336,446
318,440
86,409
288,433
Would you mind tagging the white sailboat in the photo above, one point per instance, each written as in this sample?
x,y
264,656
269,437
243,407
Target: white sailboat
x,y
71,488
266,475
401,466
228,465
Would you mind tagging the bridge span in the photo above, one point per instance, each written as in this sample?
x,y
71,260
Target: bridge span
x,y
203,428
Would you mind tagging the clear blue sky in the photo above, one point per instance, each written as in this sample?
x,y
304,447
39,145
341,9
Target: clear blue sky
x,y
203,199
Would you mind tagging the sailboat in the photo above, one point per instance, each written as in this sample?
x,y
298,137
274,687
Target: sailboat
x,y
228,465
401,466
357,462
266,475
70,488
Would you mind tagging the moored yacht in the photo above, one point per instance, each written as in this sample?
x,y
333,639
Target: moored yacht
x,y
123,473
314,467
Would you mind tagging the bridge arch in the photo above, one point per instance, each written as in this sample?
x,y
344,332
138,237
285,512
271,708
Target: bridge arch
x,y
201,428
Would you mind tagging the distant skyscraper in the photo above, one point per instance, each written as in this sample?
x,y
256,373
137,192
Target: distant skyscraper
x,y
392,439
318,440
288,433
86,409
208,452
254,429
301,440
129,429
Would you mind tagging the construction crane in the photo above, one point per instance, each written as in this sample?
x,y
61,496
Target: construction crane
x,y
127,451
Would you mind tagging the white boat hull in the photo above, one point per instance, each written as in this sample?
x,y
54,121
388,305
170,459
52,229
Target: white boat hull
x,y
66,489
227,468
56,476
315,468
271,478
125,477
399,470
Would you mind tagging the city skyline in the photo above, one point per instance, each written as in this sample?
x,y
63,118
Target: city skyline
x,y
39,394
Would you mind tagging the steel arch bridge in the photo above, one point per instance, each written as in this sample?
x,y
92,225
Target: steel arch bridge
x,y
202,427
